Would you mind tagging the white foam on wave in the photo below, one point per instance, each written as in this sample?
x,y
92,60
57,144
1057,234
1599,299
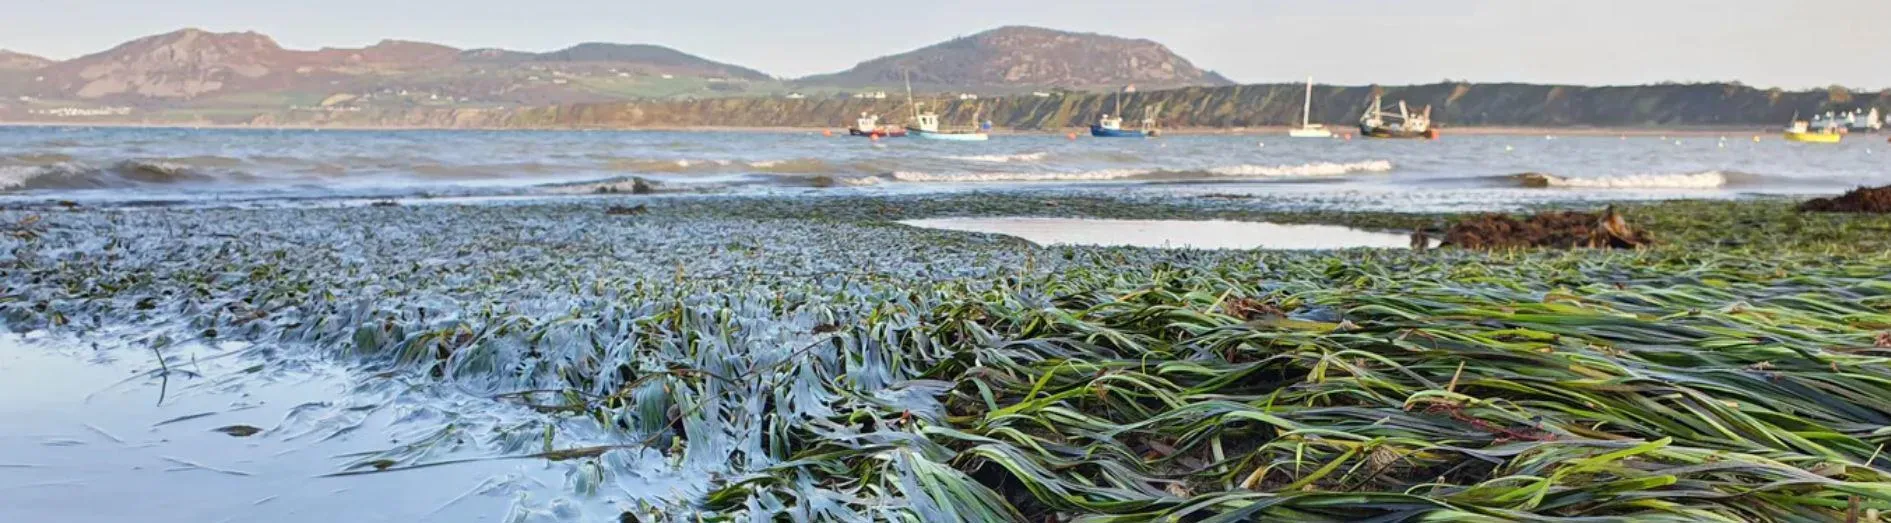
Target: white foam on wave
x,y
1002,158
854,181
1309,169
1100,175
13,176
1235,171
1700,180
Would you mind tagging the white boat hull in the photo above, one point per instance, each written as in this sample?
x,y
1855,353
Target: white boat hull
x,y
950,137
1309,133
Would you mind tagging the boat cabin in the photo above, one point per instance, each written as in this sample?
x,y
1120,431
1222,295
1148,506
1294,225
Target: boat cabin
x,y
927,122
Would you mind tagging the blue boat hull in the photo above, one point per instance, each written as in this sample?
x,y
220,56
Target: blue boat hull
x,y
1099,132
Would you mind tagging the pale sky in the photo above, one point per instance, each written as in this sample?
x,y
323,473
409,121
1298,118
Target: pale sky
x,y
1784,43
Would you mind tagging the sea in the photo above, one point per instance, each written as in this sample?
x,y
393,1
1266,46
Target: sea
x,y
1455,172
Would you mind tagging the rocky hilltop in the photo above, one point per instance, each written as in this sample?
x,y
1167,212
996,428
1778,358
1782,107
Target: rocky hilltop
x,y
202,69
187,74
1017,57
12,61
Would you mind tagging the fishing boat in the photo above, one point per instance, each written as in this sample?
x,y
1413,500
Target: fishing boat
x,y
1307,128
869,126
1377,123
1111,126
1802,131
926,124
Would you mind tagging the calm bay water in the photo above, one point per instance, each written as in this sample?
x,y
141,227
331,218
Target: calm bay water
x,y
122,163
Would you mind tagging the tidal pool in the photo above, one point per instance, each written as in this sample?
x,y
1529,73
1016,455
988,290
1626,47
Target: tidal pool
x,y
1192,234
95,435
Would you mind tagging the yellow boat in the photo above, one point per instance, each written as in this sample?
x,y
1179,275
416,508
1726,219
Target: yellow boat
x,y
1802,132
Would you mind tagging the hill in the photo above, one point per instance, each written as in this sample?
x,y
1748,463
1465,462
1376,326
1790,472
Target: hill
x,y
199,69
11,61
1022,58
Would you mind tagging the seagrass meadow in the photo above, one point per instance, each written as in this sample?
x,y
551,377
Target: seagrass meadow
x,y
808,359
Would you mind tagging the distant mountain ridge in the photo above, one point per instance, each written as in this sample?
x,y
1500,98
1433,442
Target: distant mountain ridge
x,y
198,70
12,61
192,63
1024,56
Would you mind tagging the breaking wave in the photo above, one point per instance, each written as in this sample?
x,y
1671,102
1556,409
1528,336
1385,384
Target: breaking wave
x,y
1311,169
1700,180
726,166
1002,158
128,173
642,165
1234,171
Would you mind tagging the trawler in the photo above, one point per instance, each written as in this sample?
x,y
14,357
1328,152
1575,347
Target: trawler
x,y
926,124
1377,123
869,126
1802,131
1112,126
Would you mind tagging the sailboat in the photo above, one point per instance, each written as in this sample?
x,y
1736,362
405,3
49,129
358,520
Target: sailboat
x,y
926,124
1112,126
1307,128
1377,123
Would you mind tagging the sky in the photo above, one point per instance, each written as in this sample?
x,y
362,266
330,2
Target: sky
x,y
1768,43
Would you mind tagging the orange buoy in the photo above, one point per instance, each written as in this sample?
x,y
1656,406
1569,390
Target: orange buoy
x,y
827,132
1072,136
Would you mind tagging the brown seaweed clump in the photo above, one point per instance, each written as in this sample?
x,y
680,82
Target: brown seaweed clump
x,y
1874,200
621,210
1561,230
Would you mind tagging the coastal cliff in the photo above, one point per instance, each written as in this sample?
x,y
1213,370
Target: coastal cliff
x,y
1454,104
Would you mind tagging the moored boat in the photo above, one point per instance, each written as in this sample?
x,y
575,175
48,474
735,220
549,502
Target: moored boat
x,y
1307,128
868,126
926,124
1111,126
1802,131
1377,123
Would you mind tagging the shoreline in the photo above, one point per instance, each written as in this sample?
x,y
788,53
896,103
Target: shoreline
x,y
1732,130
773,296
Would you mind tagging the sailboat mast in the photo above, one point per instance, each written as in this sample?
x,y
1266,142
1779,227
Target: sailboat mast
x,y
908,76
1306,115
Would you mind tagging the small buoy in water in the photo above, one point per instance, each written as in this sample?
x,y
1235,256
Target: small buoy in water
x,y
1756,138
1072,136
825,132
1260,144
875,138
1509,148
1548,137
